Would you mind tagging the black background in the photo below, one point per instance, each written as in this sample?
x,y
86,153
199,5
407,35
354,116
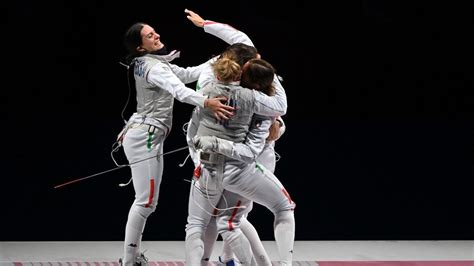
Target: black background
x,y
379,141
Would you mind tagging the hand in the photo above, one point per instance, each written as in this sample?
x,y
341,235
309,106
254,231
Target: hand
x,y
221,111
274,131
194,18
205,143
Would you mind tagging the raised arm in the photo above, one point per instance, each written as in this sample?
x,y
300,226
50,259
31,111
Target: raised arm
x,y
222,31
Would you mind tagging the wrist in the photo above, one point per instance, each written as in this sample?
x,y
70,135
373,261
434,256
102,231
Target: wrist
x,y
280,123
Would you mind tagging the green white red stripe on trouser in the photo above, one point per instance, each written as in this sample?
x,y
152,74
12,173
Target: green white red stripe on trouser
x,y
140,143
233,184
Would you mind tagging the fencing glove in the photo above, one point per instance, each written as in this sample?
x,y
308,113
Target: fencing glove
x,y
214,144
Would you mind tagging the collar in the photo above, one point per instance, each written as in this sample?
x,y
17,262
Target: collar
x,y
168,58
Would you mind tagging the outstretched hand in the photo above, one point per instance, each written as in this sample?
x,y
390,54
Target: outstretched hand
x,y
220,110
194,18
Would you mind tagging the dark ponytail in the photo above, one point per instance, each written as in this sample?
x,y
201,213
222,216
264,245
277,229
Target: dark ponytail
x,y
133,39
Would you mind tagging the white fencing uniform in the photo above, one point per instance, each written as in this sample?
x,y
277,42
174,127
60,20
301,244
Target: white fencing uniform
x,y
241,181
143,137
239,149
268,159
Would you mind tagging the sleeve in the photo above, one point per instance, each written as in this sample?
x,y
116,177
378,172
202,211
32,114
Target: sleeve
x,y
226,33
258,134
255,142
164,78
275,105
189,74
207,75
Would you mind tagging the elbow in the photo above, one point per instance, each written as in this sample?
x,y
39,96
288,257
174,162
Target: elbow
x,y
283,110
283,103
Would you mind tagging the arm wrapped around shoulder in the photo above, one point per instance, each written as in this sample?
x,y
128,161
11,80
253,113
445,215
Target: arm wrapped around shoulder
x,y
213,144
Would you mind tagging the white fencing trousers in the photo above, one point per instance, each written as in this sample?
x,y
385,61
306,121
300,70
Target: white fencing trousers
x,y
141,142
242,183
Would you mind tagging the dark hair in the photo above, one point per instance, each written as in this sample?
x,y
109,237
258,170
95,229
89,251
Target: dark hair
x,y
240,53
132,39
258,74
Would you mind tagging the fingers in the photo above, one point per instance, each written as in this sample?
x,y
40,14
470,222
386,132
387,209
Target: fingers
x,y
220,115
226,110
220,110
221,98
226,107
217,116
190,14
224,115
194,18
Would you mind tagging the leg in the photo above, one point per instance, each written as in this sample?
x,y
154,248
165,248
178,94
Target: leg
x,y
256,245
139,144
209,238
258,250
256,183
284,227
229,227
249,231
203,198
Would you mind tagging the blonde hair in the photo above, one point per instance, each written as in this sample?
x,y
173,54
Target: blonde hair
x,y
226,69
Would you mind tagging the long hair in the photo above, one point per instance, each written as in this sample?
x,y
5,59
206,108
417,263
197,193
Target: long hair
x,y
133,39
258,74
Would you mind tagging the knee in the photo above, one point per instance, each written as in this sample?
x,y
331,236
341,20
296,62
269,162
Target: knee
x,y
144,211
194,241
231,235
282,217
193,230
